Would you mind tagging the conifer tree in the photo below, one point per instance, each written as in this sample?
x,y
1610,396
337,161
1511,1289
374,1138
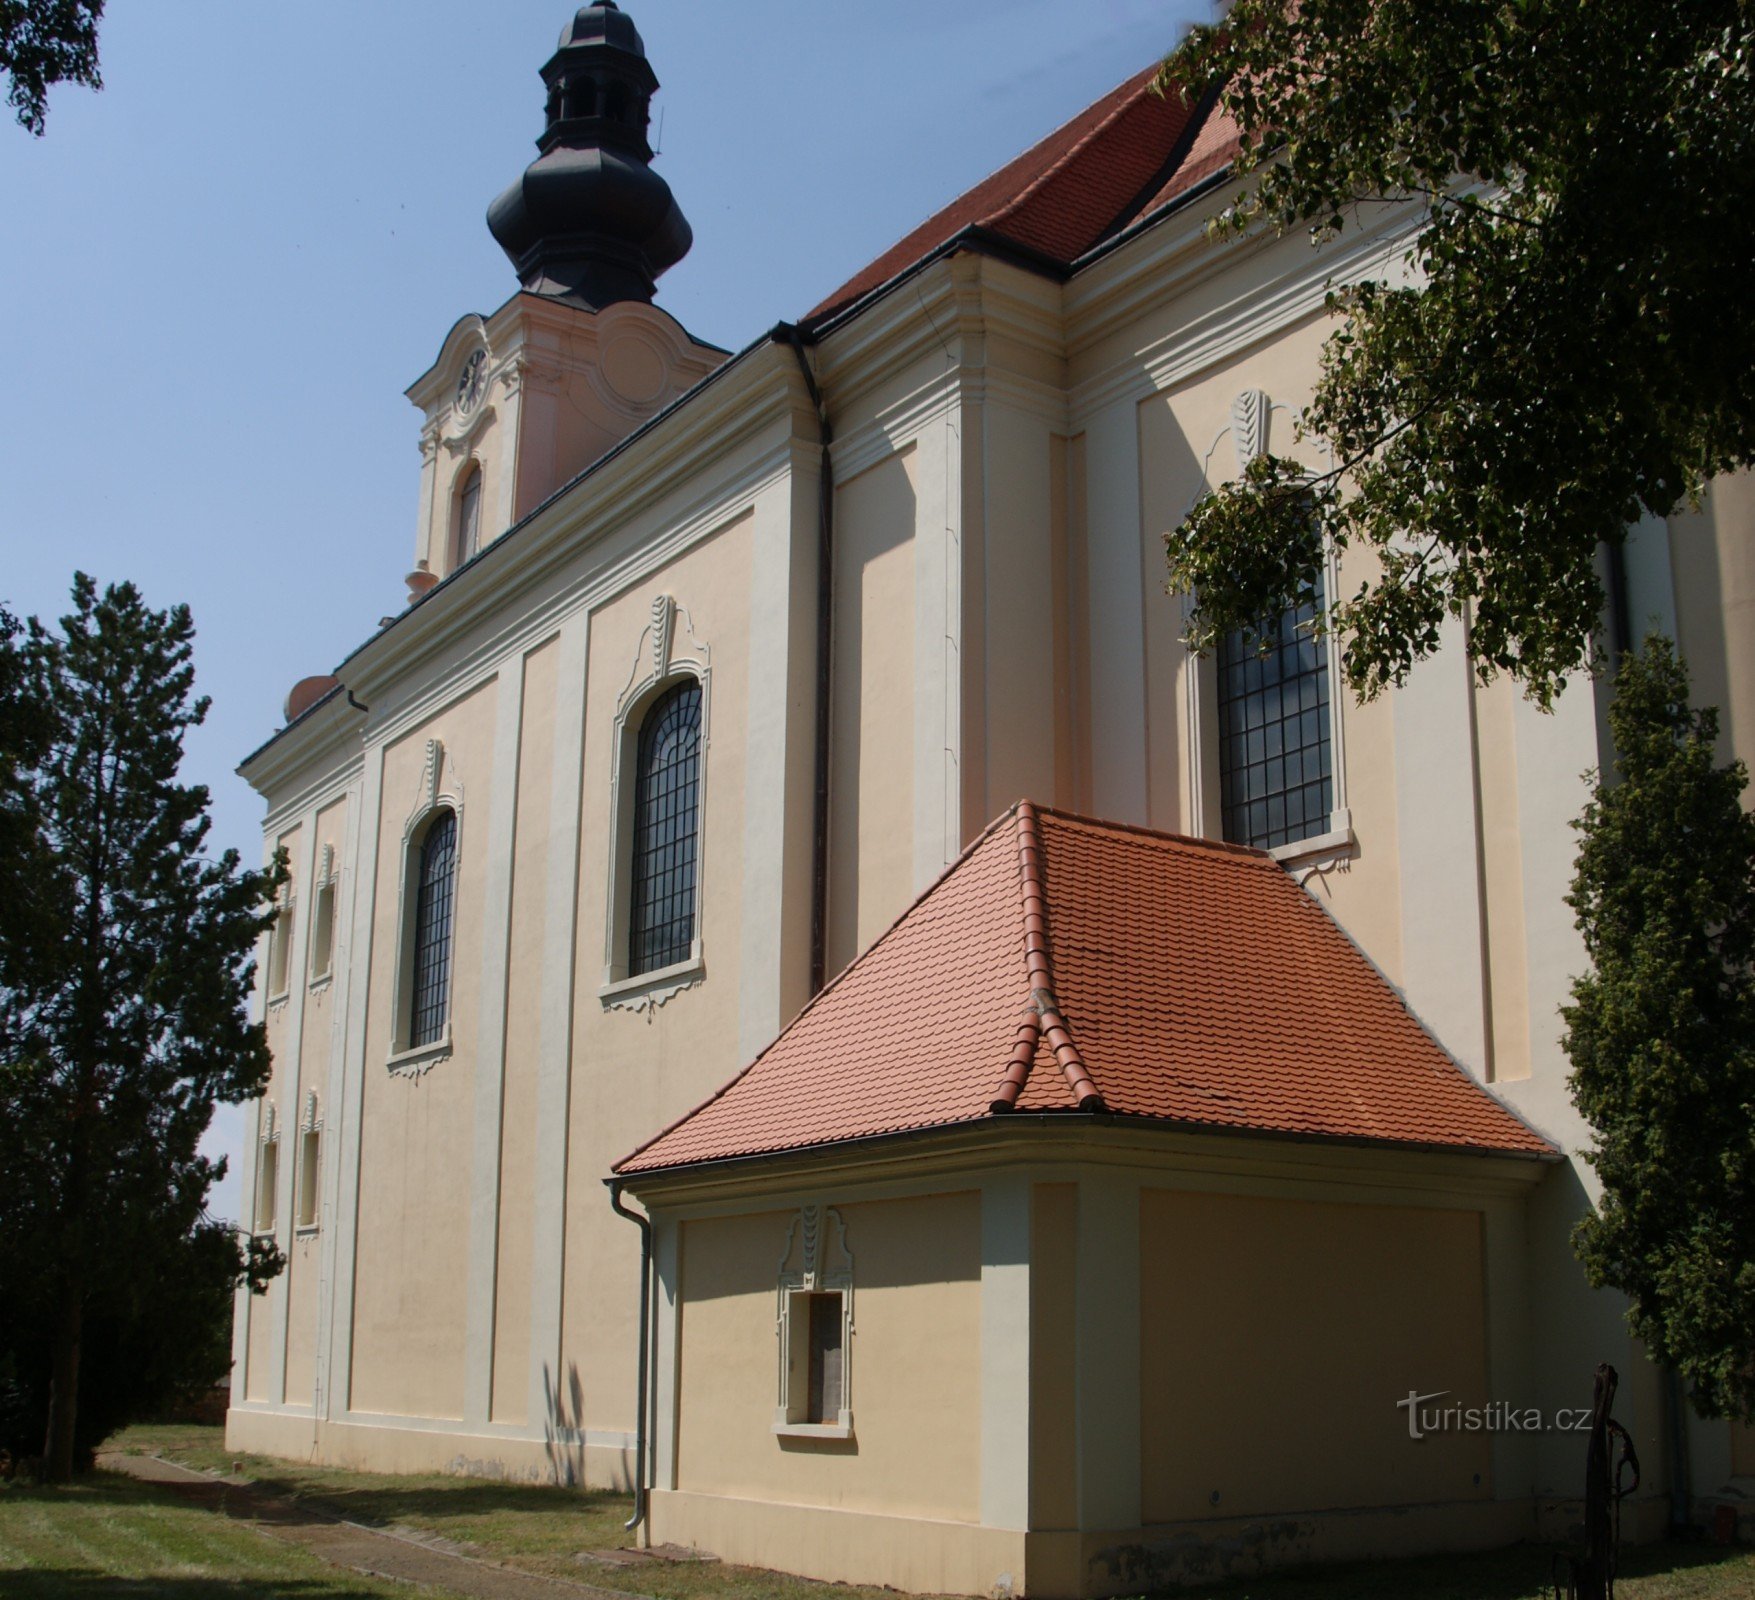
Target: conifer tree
x,y
1661,1033
125,964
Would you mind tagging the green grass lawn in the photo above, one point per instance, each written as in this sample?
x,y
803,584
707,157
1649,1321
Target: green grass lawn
x,y
110,1538
548,1530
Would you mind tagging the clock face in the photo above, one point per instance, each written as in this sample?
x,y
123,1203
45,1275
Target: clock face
x,y
471,382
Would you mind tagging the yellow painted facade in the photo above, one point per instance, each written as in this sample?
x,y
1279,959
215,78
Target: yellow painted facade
x,y
1057,1362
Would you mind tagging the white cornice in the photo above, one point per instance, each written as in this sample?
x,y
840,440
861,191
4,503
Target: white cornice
x,y
938,1158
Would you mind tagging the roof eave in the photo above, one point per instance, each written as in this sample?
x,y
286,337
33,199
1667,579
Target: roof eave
x,y
1520,1167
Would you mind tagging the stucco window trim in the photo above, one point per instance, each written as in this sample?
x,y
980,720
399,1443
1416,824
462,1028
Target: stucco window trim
x,y
265,1219
440,790
668,652
280,952
656,986
1320,847
328,883
816,1430
815,1259
306,1182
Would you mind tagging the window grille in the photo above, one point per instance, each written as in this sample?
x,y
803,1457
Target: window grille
x,y
432,930
1276,779
661,921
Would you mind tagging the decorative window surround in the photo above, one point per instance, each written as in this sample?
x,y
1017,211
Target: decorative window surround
x,y
307,1216
815,1261
280,952
440,790
666,652
1333,849
646,991
325,894
264,1204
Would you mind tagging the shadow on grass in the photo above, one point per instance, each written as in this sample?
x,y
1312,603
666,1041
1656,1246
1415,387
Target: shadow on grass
x,y
466,1497
82,1583
1518,1572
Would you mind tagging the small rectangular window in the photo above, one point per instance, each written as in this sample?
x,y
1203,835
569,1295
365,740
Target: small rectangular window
x,y
267,1184
310,1166
323,930
280,948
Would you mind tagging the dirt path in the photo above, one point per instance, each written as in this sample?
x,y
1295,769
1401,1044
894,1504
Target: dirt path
x,y
372,1551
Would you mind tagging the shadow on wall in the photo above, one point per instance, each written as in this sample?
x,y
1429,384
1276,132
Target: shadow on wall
x,y
563,1427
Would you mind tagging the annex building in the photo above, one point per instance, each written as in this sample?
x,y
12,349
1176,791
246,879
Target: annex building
x,y
797,992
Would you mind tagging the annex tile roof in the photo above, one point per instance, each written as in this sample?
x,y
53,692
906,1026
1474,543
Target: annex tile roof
x,y
1129,154
1067,965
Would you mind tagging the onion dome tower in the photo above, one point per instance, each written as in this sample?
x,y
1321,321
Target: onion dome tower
x,y
590,222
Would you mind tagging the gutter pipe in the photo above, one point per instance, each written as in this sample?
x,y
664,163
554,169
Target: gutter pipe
x,y
644,1224
819,908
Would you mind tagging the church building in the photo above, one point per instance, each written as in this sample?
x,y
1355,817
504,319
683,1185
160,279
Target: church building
x,y
798,996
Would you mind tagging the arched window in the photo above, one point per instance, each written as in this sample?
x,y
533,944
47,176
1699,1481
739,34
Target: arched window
x,y
435,892
466,537
1276,765
667,785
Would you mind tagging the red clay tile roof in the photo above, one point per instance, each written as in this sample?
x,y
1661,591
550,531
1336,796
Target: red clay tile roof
x,y
1130,153
1064,964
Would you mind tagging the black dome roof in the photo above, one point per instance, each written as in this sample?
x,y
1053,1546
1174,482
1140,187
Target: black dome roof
x,y
603,23
589,221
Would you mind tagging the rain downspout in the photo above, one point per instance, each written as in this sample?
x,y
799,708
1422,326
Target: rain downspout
x,y
819,906
645,1226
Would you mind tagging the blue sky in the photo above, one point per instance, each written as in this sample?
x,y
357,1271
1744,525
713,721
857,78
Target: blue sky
x,y
220,273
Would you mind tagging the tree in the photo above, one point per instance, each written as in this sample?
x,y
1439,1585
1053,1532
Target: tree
x,y
1563,353
1661,1034
44,42
125,963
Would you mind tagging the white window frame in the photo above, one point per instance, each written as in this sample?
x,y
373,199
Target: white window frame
x,y
265,1203
305,1187
325,894
440,790
667,654
278,979
815,1260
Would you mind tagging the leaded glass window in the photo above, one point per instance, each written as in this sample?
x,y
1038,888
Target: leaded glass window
x,y
434,896
1276,778
667,787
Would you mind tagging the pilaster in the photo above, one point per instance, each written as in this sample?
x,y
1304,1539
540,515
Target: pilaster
x,y
555,1024
1117,624
1444,953
1108,1351
338,1399
490,1053
1005,1351
289,1088
779,742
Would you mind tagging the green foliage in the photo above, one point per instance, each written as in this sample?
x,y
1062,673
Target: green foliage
x,y
1564,351
44,42
125,964
1662,1034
